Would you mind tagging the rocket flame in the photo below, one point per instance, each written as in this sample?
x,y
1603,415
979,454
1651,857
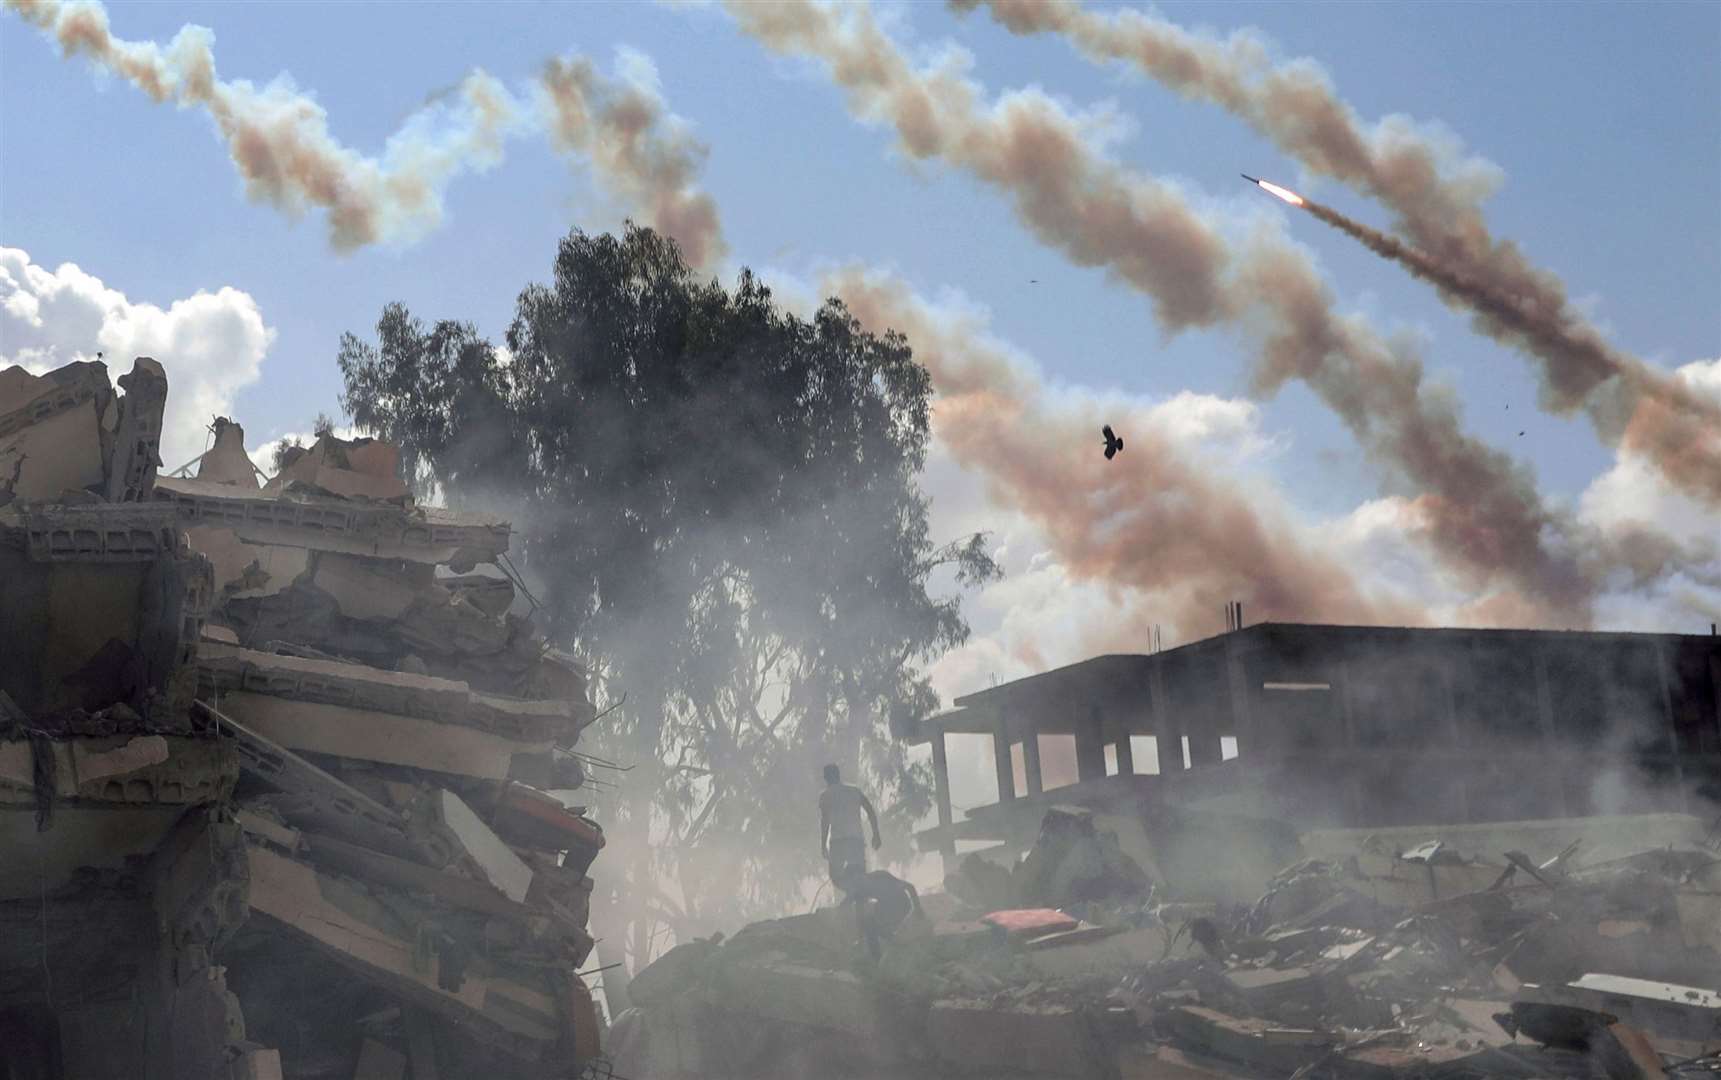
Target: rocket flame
x,y
1284,193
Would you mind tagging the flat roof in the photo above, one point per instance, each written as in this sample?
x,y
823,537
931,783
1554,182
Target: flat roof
x,y
1055,695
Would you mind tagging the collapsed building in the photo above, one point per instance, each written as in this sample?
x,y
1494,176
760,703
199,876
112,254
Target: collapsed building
x,y
1289,851
284,770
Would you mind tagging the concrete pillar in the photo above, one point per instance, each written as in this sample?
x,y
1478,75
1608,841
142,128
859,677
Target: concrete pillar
x,y
1715,688
1166,730
1240,694
1090,746
1454,729
941,791
1001,758
1125,755
1664,671
1347,704
1031,763
1545,715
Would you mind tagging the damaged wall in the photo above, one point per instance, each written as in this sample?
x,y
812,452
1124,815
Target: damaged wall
x,y
246,728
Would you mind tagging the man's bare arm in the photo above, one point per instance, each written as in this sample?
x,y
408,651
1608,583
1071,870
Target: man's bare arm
x,y
871,816
824,831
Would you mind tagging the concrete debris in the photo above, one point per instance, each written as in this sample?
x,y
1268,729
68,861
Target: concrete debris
x,y
1324,974
273,760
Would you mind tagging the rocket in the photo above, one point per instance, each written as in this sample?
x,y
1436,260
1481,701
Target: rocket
x,y
1275,190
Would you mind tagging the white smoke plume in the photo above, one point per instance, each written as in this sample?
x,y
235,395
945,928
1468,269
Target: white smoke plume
x,y
211,345
1437,198
1649,414
1481,510
643,151
279,137
1151,520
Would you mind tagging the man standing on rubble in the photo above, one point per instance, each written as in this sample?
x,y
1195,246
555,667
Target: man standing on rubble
x,y
840,839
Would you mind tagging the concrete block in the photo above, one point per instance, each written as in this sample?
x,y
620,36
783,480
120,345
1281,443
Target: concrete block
x,y
1120,953
775,989
389,738
379,1062
341,919
502,868
256,1065
1255,1042
977,1036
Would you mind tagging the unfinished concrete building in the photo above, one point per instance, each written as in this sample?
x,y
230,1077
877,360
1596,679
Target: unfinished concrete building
x,y
276,766
1336,727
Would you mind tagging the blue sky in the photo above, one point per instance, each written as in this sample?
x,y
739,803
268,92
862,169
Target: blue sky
x,y
1604,118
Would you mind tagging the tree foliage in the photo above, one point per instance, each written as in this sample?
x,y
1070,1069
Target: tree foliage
x,y
716,503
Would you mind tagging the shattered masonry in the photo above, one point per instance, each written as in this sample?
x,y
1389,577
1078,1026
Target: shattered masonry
x,y
275,763
1424,854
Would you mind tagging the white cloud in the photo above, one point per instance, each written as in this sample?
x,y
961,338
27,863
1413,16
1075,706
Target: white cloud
x,y
1634,492
210,344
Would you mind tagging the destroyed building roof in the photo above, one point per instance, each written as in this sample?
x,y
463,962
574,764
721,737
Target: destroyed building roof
x,y
293,518
228,668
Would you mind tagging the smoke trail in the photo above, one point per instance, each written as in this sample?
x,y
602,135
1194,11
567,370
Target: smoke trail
x,y
1481,512
1149,520
1659,417
1437,200
279,139
642,149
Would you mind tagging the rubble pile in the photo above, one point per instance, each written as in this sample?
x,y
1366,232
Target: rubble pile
x,y
282,764
1419,963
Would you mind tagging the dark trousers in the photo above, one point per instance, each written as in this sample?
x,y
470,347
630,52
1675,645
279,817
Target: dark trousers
x,y
847,861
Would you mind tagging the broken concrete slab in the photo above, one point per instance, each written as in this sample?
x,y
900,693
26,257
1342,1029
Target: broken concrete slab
x,y
1266,988
389,738
1117,953
245,570
338,917
227,670
352,468
778,989
137,440
1042,1039
136,770
1260,1043
226,462
498,863
324,799
258,1064
371,588
48,460
381,530
1683,1012
379,1062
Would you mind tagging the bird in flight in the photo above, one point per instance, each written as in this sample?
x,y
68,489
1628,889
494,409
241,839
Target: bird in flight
x,y
1113,443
